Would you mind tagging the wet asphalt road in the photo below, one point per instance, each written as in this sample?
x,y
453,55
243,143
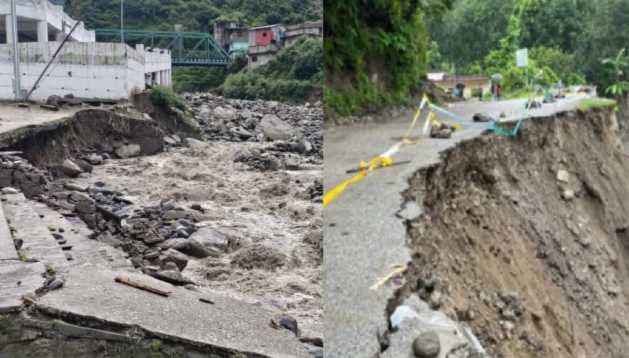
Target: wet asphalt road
x,y
363,236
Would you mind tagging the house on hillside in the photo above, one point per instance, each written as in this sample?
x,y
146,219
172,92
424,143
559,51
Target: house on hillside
x,y
261,44
264,43
233,37
461,86
295,32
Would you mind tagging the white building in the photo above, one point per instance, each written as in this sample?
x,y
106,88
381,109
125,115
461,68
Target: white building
x,y
84,68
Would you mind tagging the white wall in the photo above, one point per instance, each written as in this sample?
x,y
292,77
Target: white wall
x,y
100,70
43,10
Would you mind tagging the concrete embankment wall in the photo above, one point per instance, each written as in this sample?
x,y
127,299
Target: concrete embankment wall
x,y
93,70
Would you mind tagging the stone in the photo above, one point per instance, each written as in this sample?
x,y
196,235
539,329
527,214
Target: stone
x,y
153,239
9,191
70,168
194,143
274,128
563,176
170,141
94,159
289,323
481,117
128,151
441,133
427,345
75,186
567,195
211,239
54,100
174,214
189,247
54,284
225,113
241,133
176,257
171,276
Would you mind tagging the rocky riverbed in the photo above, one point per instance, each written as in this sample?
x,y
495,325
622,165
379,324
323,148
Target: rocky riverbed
x,y
236,211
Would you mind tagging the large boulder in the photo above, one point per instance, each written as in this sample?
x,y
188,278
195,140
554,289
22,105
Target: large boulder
x,y
225,113
128,151
70,168
211,239
190,247
274,128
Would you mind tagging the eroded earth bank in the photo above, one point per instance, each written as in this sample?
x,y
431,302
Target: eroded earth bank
x,y
526,240
220,203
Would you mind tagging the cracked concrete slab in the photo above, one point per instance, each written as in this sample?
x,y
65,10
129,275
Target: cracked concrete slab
x,y
91,293
16,280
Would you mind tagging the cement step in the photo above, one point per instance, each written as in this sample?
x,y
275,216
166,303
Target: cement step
x,y
74,233
7,246
37,242
17,278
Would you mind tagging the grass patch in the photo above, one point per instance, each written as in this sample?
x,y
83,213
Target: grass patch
x,y
519,94
165,98
597,103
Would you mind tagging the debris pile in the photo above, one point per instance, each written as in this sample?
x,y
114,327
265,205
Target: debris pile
x,y
18,173
298,127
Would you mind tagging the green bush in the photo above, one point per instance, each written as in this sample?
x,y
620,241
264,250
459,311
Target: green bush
x,y
375,53
291,76
255,86
165,98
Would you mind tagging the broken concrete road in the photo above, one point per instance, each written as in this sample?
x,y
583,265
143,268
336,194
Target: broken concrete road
x,y
92,294
365,234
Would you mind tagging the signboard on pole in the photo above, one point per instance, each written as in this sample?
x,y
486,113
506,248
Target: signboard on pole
x,y
522,57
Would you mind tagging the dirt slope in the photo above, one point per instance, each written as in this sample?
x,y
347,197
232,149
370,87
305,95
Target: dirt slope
x,y
527,239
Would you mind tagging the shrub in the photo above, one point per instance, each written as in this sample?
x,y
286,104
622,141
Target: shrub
x,y
165,98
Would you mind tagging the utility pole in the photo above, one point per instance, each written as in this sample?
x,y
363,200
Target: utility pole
x,y
122,21
16,58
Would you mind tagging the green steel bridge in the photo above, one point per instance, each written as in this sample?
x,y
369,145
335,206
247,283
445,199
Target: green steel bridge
x,y
187,48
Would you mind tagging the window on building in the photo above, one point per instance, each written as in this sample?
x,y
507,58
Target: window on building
x,y
254,58
264,34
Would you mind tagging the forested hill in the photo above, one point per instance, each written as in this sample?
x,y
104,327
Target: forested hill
x,y
195,15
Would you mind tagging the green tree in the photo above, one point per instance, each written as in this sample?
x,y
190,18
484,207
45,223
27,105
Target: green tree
x,y
375,51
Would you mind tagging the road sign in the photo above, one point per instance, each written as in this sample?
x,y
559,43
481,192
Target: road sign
x,y
522,57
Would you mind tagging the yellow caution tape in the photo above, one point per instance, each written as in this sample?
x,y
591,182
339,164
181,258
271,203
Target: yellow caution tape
x,y
381,161
386,159
396,270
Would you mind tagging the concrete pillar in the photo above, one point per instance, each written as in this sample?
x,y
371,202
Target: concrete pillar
x,y
42,31
9,28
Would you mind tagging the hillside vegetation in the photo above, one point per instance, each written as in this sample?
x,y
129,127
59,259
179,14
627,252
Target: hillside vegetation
x,y
292,75
195,15
568,40
378,52
375,52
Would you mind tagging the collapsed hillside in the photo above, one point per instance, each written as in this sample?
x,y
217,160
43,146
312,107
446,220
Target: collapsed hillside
x,y
527,239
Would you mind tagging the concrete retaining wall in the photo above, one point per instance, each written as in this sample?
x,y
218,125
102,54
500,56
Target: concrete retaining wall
x,y
98,70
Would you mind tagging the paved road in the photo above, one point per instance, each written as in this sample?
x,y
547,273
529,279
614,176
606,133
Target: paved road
x,y
363,237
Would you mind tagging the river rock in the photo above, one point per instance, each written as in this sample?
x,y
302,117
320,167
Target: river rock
x,y
274,128
70,168
427,345
128,151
